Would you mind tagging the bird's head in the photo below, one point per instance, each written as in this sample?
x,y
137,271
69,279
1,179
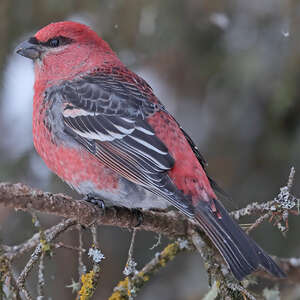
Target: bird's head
x,y
64,49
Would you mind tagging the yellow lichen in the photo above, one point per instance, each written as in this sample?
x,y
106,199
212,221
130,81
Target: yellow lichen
x,y
168,253
117,296
45,246
87,287
121,292
3,268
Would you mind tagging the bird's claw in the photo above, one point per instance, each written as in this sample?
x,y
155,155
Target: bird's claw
x,y
95,201
139,217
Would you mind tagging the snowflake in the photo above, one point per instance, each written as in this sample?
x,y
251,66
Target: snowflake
x,y
183,244
295,262
130,267
75,286
96,255
285,199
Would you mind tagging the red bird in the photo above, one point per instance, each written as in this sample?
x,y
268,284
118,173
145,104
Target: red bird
x,y
101,129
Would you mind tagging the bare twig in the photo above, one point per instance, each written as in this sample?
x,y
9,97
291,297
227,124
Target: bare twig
x,y
253,209
41,277
33,259
81,265
130,251
70,247
258,221
130,267
291,178
157,243
12,252
130,264
94,235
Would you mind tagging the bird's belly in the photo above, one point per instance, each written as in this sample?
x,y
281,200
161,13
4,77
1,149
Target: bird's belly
x,y
126,194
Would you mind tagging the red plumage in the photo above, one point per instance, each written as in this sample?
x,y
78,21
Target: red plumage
x,y
100,128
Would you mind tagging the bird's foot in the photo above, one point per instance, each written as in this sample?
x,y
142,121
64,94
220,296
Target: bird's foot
x,y
139,217
94,200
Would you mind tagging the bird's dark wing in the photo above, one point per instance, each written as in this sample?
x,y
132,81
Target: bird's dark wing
x,y
108,117
203,163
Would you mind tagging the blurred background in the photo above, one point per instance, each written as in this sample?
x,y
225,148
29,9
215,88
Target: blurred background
x,y
228,71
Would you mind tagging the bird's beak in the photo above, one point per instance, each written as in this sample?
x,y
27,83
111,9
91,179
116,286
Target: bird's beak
x,y
29,49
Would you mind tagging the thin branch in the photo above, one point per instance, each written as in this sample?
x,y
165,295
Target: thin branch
x,y
130,264
41,277
35,256
70,247
33,259
130,251
291,178
258,221
130,267
253,209
283,202
81,265
11,252
128,288
157,243
94,235
8,279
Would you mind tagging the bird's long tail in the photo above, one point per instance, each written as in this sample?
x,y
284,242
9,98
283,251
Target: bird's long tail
x,y
240,252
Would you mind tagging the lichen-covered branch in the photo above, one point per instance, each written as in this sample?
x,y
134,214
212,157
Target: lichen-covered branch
x,y
21,196
277,210
11,252
32,261
40,242
125,291
171,224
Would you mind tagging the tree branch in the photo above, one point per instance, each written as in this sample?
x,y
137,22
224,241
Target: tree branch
x,y
23,197
171,224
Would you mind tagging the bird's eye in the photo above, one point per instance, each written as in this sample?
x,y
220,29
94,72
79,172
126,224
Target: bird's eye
x,y
54,43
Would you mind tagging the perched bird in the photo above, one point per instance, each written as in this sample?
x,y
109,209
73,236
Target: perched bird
x,y
100,128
